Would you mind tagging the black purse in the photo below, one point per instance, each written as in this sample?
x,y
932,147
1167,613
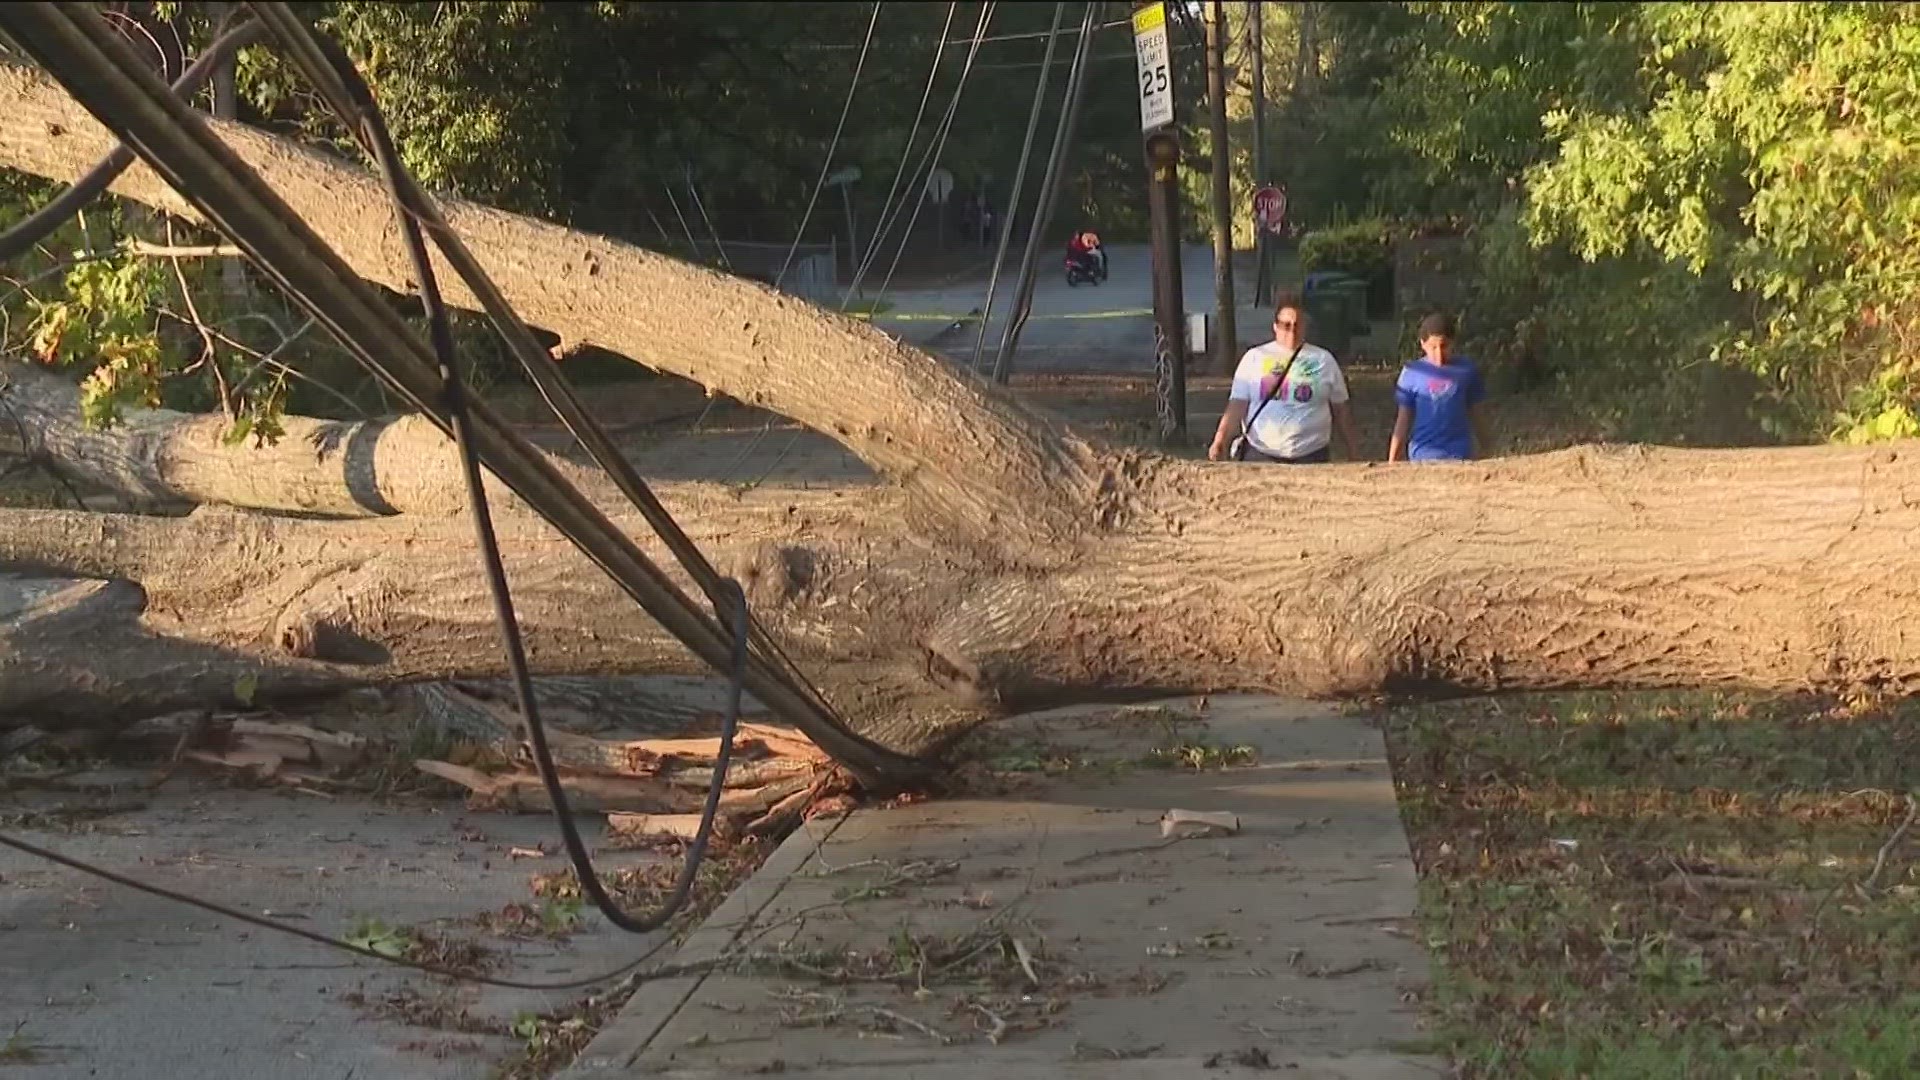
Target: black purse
x,y
1239,449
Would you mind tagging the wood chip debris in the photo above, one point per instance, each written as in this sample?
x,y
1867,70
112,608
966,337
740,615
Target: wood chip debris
x,y
1198,823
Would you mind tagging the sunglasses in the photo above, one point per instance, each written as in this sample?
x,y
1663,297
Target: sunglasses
x,y
1288,325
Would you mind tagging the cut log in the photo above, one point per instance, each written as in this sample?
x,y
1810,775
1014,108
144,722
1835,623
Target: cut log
x,y
365,468
668,758
640,826
523,792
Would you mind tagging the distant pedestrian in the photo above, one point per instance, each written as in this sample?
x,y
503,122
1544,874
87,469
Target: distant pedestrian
x,y
1439,395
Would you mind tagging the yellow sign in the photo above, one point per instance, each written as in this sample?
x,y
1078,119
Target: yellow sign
x,y
1155,66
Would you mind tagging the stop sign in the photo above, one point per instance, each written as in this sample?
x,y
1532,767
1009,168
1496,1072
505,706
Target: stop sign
x,y
1270,209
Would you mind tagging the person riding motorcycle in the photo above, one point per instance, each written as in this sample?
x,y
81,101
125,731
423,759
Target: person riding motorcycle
x,y
1085,251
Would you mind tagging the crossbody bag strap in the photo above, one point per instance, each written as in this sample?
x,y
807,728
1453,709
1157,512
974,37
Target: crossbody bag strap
x,y
1246,427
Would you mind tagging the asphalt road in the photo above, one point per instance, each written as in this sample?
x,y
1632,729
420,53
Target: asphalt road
x,y
1105,328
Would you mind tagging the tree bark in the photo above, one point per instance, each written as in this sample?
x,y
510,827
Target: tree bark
x,y
333,468
1783,569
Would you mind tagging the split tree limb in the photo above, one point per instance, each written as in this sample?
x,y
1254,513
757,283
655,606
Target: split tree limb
x,y
976,464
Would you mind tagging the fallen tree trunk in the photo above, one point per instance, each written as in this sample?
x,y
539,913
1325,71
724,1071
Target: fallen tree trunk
x,y
1786,569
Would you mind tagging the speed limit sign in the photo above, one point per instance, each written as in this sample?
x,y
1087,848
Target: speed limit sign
x,y
1152,55
1270,209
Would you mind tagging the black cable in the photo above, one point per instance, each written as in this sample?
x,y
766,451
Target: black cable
x,y
183,150
40,224
372,128
1019,185
1045,200
311,935
889,213
826,163
357,108
325,69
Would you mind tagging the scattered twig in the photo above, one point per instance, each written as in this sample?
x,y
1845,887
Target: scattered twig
x,y
829,869
186,251
208,352
1694,883
820,1017
1083,1050
999,1029
1893,841
191,734
1104,853
1343,970
1025,958
908,1021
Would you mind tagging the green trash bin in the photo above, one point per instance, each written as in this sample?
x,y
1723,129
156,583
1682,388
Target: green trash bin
x,y
1352,292
1329,322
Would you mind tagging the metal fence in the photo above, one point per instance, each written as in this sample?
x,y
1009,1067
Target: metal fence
x,y
812,275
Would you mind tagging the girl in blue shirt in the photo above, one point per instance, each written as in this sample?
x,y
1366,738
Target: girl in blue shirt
x,y
1439,397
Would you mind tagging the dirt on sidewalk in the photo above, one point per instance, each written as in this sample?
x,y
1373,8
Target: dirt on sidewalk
x,y
1055,929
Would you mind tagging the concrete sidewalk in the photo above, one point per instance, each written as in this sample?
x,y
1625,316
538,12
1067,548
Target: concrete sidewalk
x,y
1054,933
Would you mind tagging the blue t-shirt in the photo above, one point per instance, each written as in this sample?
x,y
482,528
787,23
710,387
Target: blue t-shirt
x,y
1439,396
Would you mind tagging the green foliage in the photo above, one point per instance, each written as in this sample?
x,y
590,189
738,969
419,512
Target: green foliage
x,y
1662,198
1777,157
1435,109
376,936
1362,248
104,323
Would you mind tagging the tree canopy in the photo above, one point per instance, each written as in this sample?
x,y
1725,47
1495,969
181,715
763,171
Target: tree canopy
x,y
1649,191
1653,188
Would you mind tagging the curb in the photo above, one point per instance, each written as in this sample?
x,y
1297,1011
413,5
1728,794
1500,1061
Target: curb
x,y
627,1036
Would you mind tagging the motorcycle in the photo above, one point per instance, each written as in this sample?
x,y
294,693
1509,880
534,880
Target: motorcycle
x,y
1089,268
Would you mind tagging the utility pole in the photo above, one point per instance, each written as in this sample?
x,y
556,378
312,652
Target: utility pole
x,y
1257,49
1162,147
1226,342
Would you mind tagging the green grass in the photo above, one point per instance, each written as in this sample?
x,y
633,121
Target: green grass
x,y
1668,885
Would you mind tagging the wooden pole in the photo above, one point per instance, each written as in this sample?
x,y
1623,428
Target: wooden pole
x,y
1226,342
1256,49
